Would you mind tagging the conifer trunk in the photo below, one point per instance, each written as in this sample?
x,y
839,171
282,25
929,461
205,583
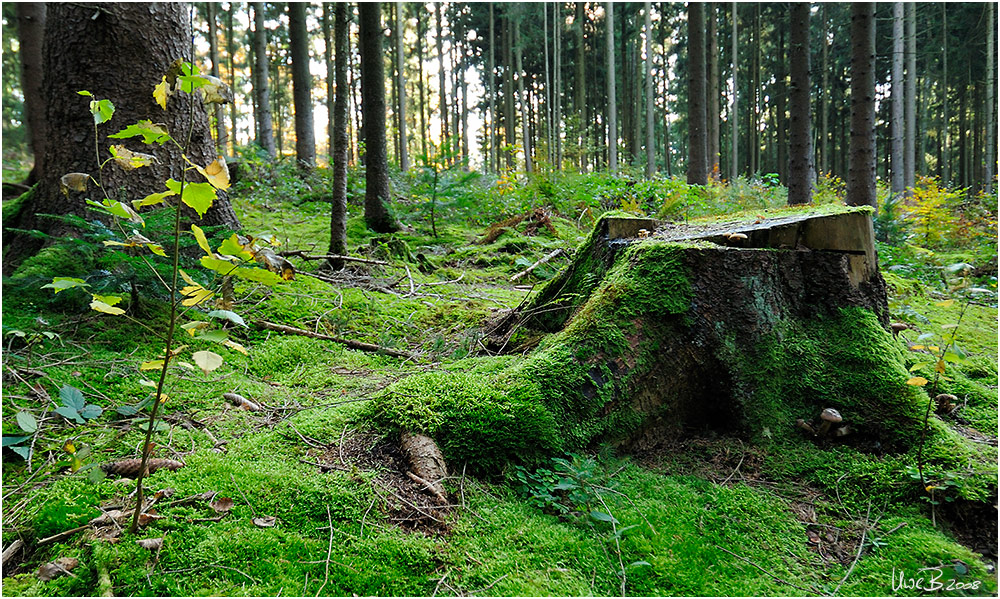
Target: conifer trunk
x,y
898,177
800,158
697,173
305,137
339,117
404,155
262,96
612,102
30,35
861,170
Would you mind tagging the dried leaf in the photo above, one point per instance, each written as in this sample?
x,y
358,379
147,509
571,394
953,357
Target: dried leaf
x,y
164,493
206,360
161,92
109,517
148,517
73,182
275,263
131,468
265,521
216,173
221,505
57,568
129,160
151,544
215,90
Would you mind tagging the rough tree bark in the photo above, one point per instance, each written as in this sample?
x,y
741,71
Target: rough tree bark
x,y
230,51
991,108
800,157
338,134
404,155
30,34
213,53
580,82
861,170
262,96
650,137
735,114
697,168
910,100
377,215
305,137
76,46
712,91
491,85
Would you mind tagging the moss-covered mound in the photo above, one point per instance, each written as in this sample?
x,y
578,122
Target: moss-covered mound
x,y
680,337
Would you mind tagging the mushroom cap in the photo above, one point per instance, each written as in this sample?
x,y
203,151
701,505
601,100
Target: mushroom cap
x,y
831,415
945,397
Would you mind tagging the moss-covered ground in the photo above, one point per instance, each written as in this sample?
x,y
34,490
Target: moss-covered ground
x,y
768,514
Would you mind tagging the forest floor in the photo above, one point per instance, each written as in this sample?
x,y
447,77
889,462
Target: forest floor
x,y
303,496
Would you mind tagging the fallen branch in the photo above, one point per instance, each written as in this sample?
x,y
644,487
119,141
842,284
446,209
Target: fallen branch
x,y
11,550
62,535
305,256
542,261
358,345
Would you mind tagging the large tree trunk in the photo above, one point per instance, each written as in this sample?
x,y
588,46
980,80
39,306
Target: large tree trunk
x,y
262,115
697,171
147,38
612,102
712,91
213,53
339,117
898,178
377,215
861,171
30,34
800,158
305,137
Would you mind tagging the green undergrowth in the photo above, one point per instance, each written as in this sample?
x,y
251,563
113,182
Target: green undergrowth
x,y
701,521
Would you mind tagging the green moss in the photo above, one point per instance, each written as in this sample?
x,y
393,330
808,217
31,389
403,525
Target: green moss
x,y
12,208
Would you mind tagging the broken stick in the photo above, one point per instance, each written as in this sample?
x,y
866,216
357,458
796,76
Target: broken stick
x,y
528,270
358,345
305,256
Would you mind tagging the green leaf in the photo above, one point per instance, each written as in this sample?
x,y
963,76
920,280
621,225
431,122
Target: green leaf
x,y
63,283
9,440
106,303
223,267
602,517
72,397
90,411
70,414
127,410
215,336
199,196
206,360
230,316
151,132
102,110
22,451
27,422
639,563
199,235
233,247
84,92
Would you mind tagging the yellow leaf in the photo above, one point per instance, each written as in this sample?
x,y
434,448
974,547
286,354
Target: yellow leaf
x,y
69,447
177,350
186,365
917,381
152,365
939,367
193,327
146,383
187,278
933,348
161,92
195,295
917,347
202,240
129,160
74,182
156,249
207,361
945,303
106,304
233,345
216,173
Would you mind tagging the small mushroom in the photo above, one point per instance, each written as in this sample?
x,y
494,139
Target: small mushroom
x,y
805,426
643,233
842,431
829,417
898,327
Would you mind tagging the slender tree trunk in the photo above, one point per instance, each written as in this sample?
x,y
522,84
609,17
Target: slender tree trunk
x,y
463,88
548,83
898,178
491,81
712,91
230,57
265,133
404,156
910,98
377,215
421,31
443,101
508,88
697,171
650,106
990,169
734,114
824,111
557,22
213,54
340,116
522,97
31,34
580,83
861,171
612,103
328,60
946,138
800,158
278,117
305,137
781,93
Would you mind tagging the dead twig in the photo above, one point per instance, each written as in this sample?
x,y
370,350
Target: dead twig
x,y
329,551
861,547
62,535
540,262
304,256
324,466
350,343
252,511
